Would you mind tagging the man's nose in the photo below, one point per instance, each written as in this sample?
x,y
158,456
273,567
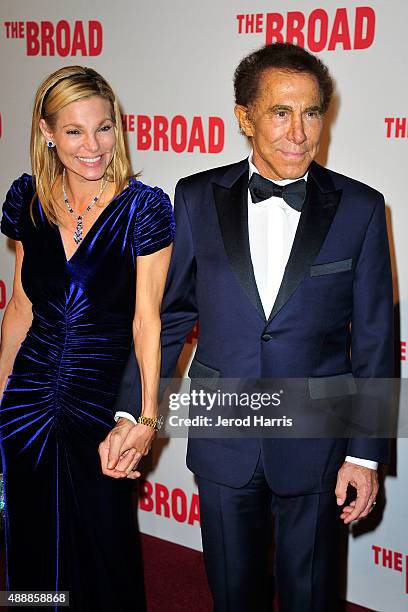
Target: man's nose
x,y
296,131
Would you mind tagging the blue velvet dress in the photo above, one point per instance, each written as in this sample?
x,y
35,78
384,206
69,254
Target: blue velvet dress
x,y
68,527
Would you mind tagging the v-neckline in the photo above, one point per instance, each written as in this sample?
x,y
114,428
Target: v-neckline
x,y
64,252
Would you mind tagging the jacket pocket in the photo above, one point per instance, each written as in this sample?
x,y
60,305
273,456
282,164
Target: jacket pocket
x,y
332,386
331,268
203,375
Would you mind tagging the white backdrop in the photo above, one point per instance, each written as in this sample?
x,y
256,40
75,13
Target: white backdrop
x,y
172,64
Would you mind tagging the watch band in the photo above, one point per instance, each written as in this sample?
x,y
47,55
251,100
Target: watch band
x,y
155,422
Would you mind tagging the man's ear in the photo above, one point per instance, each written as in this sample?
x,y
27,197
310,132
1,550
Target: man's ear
x,y
48,135
245,123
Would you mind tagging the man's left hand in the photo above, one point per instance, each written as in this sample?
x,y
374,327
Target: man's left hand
x,y
110,452
136,445
365,481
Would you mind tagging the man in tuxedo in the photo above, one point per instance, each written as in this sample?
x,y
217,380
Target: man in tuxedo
x,y
286,266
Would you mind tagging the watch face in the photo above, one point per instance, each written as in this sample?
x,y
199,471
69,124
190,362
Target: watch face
x,y
160,422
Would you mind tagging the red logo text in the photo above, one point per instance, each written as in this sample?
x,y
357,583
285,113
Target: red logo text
x,y
317,31
174,503
3,297
48,39
391,559
178,134
193,335
396,127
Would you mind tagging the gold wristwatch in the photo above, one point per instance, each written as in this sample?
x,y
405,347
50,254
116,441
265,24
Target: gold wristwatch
x,y
155,422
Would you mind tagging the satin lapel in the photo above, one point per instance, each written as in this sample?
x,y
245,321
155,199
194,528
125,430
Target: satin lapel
x,y
232,209
314,223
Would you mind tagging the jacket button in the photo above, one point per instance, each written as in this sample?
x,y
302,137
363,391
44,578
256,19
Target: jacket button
x,y
267,337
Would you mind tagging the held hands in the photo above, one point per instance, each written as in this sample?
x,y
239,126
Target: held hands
x,y
365,481
123,448
136,445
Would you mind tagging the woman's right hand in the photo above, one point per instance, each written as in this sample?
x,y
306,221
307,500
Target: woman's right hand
x,y
16,322
3,385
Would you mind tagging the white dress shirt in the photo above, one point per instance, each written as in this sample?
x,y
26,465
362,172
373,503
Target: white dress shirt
x,y
272,227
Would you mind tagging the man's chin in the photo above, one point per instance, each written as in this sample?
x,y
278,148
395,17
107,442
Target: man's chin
x,y
294,170
284,167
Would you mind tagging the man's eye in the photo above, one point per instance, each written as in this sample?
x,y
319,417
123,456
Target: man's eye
x,y
281,113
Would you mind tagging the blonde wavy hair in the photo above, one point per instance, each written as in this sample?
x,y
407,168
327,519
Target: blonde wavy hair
x,y
66,85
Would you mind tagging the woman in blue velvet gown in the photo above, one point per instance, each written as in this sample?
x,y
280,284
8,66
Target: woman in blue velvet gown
x,y
82,227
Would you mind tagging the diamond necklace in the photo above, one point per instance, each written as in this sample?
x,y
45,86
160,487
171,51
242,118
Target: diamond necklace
x,y
78,234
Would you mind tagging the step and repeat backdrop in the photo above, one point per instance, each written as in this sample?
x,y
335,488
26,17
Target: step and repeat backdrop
x,y
171,64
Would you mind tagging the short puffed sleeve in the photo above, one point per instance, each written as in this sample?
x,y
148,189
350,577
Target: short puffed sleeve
x,y
154,226
17,199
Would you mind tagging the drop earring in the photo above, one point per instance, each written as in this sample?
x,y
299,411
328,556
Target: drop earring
x,y
50,144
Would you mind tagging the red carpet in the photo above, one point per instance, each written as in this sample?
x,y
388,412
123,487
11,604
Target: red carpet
x,y
175,579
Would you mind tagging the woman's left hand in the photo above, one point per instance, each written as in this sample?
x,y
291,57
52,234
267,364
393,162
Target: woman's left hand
x,y
136,445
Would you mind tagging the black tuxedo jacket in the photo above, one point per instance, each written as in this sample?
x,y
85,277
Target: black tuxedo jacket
x,y
333,315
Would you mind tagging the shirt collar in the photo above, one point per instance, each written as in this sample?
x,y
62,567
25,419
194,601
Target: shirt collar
x,y
283,182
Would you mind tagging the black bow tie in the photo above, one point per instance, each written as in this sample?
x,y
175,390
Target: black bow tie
x,y
262,189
